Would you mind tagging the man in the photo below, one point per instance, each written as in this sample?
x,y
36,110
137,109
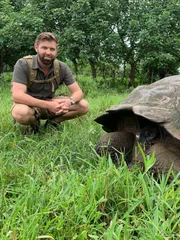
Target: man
x,y
37,100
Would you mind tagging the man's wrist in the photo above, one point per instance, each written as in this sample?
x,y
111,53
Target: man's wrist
x,y
72,101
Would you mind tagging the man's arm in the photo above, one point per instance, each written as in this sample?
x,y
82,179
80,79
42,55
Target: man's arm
x,y
76,92
20,96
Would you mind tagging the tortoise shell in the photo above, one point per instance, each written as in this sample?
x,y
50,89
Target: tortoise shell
x,y
158,102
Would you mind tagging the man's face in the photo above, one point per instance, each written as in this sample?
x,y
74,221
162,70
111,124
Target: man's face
x,y
47,51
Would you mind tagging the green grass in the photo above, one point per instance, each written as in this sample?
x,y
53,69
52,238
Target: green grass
x,y
54,186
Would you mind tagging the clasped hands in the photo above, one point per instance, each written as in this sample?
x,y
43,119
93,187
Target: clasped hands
x,y
59,106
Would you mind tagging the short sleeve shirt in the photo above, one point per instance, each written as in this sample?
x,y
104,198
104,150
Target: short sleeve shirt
x,y
21,75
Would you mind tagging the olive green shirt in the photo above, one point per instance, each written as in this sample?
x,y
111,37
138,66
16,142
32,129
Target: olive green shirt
x,y
21,75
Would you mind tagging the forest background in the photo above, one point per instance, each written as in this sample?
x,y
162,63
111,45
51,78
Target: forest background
x,y
127,42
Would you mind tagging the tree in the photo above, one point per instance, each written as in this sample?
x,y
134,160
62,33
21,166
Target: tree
x,y
18,31
148,35
5,12
138,37
88,31
125,20
160,39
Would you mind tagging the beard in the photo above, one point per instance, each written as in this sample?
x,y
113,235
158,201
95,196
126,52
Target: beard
x,y
46,60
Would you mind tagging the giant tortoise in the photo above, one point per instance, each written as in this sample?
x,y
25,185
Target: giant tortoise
x,y
150,116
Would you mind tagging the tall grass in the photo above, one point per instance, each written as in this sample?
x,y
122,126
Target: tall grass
x,y
54,186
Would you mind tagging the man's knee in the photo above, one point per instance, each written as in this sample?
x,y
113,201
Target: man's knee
x,y
84,107
22,113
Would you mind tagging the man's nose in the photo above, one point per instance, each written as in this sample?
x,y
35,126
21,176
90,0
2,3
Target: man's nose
x,y
48,51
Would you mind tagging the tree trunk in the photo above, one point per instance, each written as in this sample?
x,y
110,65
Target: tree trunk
x,y
132,75
75,64
150,74
1,62
124,70
103,71
93,68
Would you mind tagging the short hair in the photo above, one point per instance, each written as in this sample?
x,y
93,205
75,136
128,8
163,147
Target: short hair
x,y
46,36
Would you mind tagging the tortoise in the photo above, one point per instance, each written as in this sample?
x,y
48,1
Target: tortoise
x,y
149,116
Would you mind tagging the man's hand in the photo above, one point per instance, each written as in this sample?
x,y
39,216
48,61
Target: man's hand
x,y
59,106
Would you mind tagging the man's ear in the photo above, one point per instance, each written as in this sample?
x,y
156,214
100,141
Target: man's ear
x,y
35,47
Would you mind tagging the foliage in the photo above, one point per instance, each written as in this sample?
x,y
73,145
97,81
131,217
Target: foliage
x,y
160,40
17,28
53,184
5,77
138,39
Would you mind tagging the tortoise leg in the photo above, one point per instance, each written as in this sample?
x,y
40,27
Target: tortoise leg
x,y
165,158
115,144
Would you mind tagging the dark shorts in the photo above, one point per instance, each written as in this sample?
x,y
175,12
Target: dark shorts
x,y
41,113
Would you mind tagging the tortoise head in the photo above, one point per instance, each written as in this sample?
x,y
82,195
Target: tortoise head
x,y
148,135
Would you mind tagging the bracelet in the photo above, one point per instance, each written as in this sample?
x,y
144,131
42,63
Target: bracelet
x,y
72,101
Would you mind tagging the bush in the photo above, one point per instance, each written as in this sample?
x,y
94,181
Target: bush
x,y
6,76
